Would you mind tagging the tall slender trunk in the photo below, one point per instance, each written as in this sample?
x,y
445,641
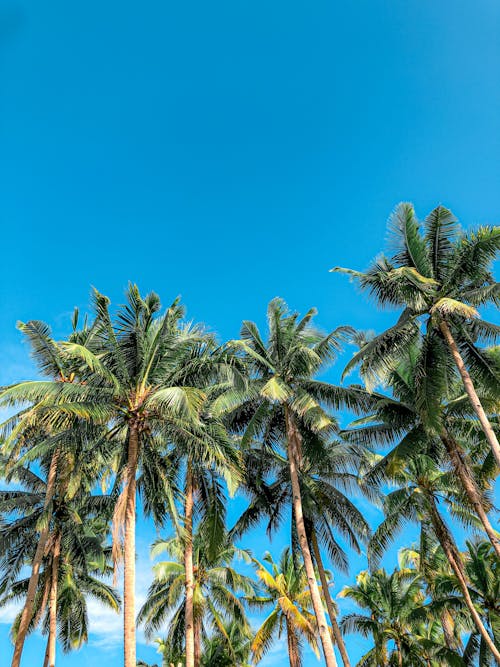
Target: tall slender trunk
x,y
188,567
453,556
469,484
339,640
129,645
399,653
382,655
292,645
471,391
197,642
51,647
43,604
46,660
27,612
294,442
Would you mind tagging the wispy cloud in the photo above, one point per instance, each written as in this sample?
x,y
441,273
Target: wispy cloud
x,y
105,625
9,612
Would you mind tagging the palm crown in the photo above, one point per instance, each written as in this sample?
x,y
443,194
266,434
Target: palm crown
x,y
217,590
441,275
285,587
76,558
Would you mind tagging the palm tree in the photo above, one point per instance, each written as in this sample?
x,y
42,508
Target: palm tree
x,y
483,572
133,381
216,591
206,461
419,412
421,487
227,648
324,482
25,438
285,587
395,603
440,276
283,402
74,561
430,561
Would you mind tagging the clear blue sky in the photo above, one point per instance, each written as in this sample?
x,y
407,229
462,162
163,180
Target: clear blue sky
x,y
231,151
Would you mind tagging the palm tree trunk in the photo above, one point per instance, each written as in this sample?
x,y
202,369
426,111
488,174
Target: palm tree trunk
x,y
399,653
294,440
27,612
43,604
129,645
46,660
197,642
471,392
469,485
339,640
292,645
382,653
53,603
453,556
188,567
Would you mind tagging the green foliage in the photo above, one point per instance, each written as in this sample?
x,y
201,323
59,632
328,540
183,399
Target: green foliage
x,y
222,413
285,590
218,591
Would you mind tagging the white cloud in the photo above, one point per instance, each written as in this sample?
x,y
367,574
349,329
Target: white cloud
x,y
9,612
105,625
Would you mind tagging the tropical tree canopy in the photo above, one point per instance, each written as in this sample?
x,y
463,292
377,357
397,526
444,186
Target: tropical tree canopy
x,y
141,415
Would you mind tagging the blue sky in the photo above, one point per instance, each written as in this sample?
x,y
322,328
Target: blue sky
x,y
230,152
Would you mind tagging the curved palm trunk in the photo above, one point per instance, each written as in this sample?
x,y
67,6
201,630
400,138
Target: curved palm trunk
x,y
293,438
189,570
129,646
51,646
452,554
471,391
339,640
27,612
469,485
292,645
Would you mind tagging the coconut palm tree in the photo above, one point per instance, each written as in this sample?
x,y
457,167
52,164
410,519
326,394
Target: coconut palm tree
x,y
133,380
25,441
395,603
227,648
216,593
483,572
283,402
285,587
430,561
439,277
206,462
418,412
422,486
325,483
390,600
74,561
